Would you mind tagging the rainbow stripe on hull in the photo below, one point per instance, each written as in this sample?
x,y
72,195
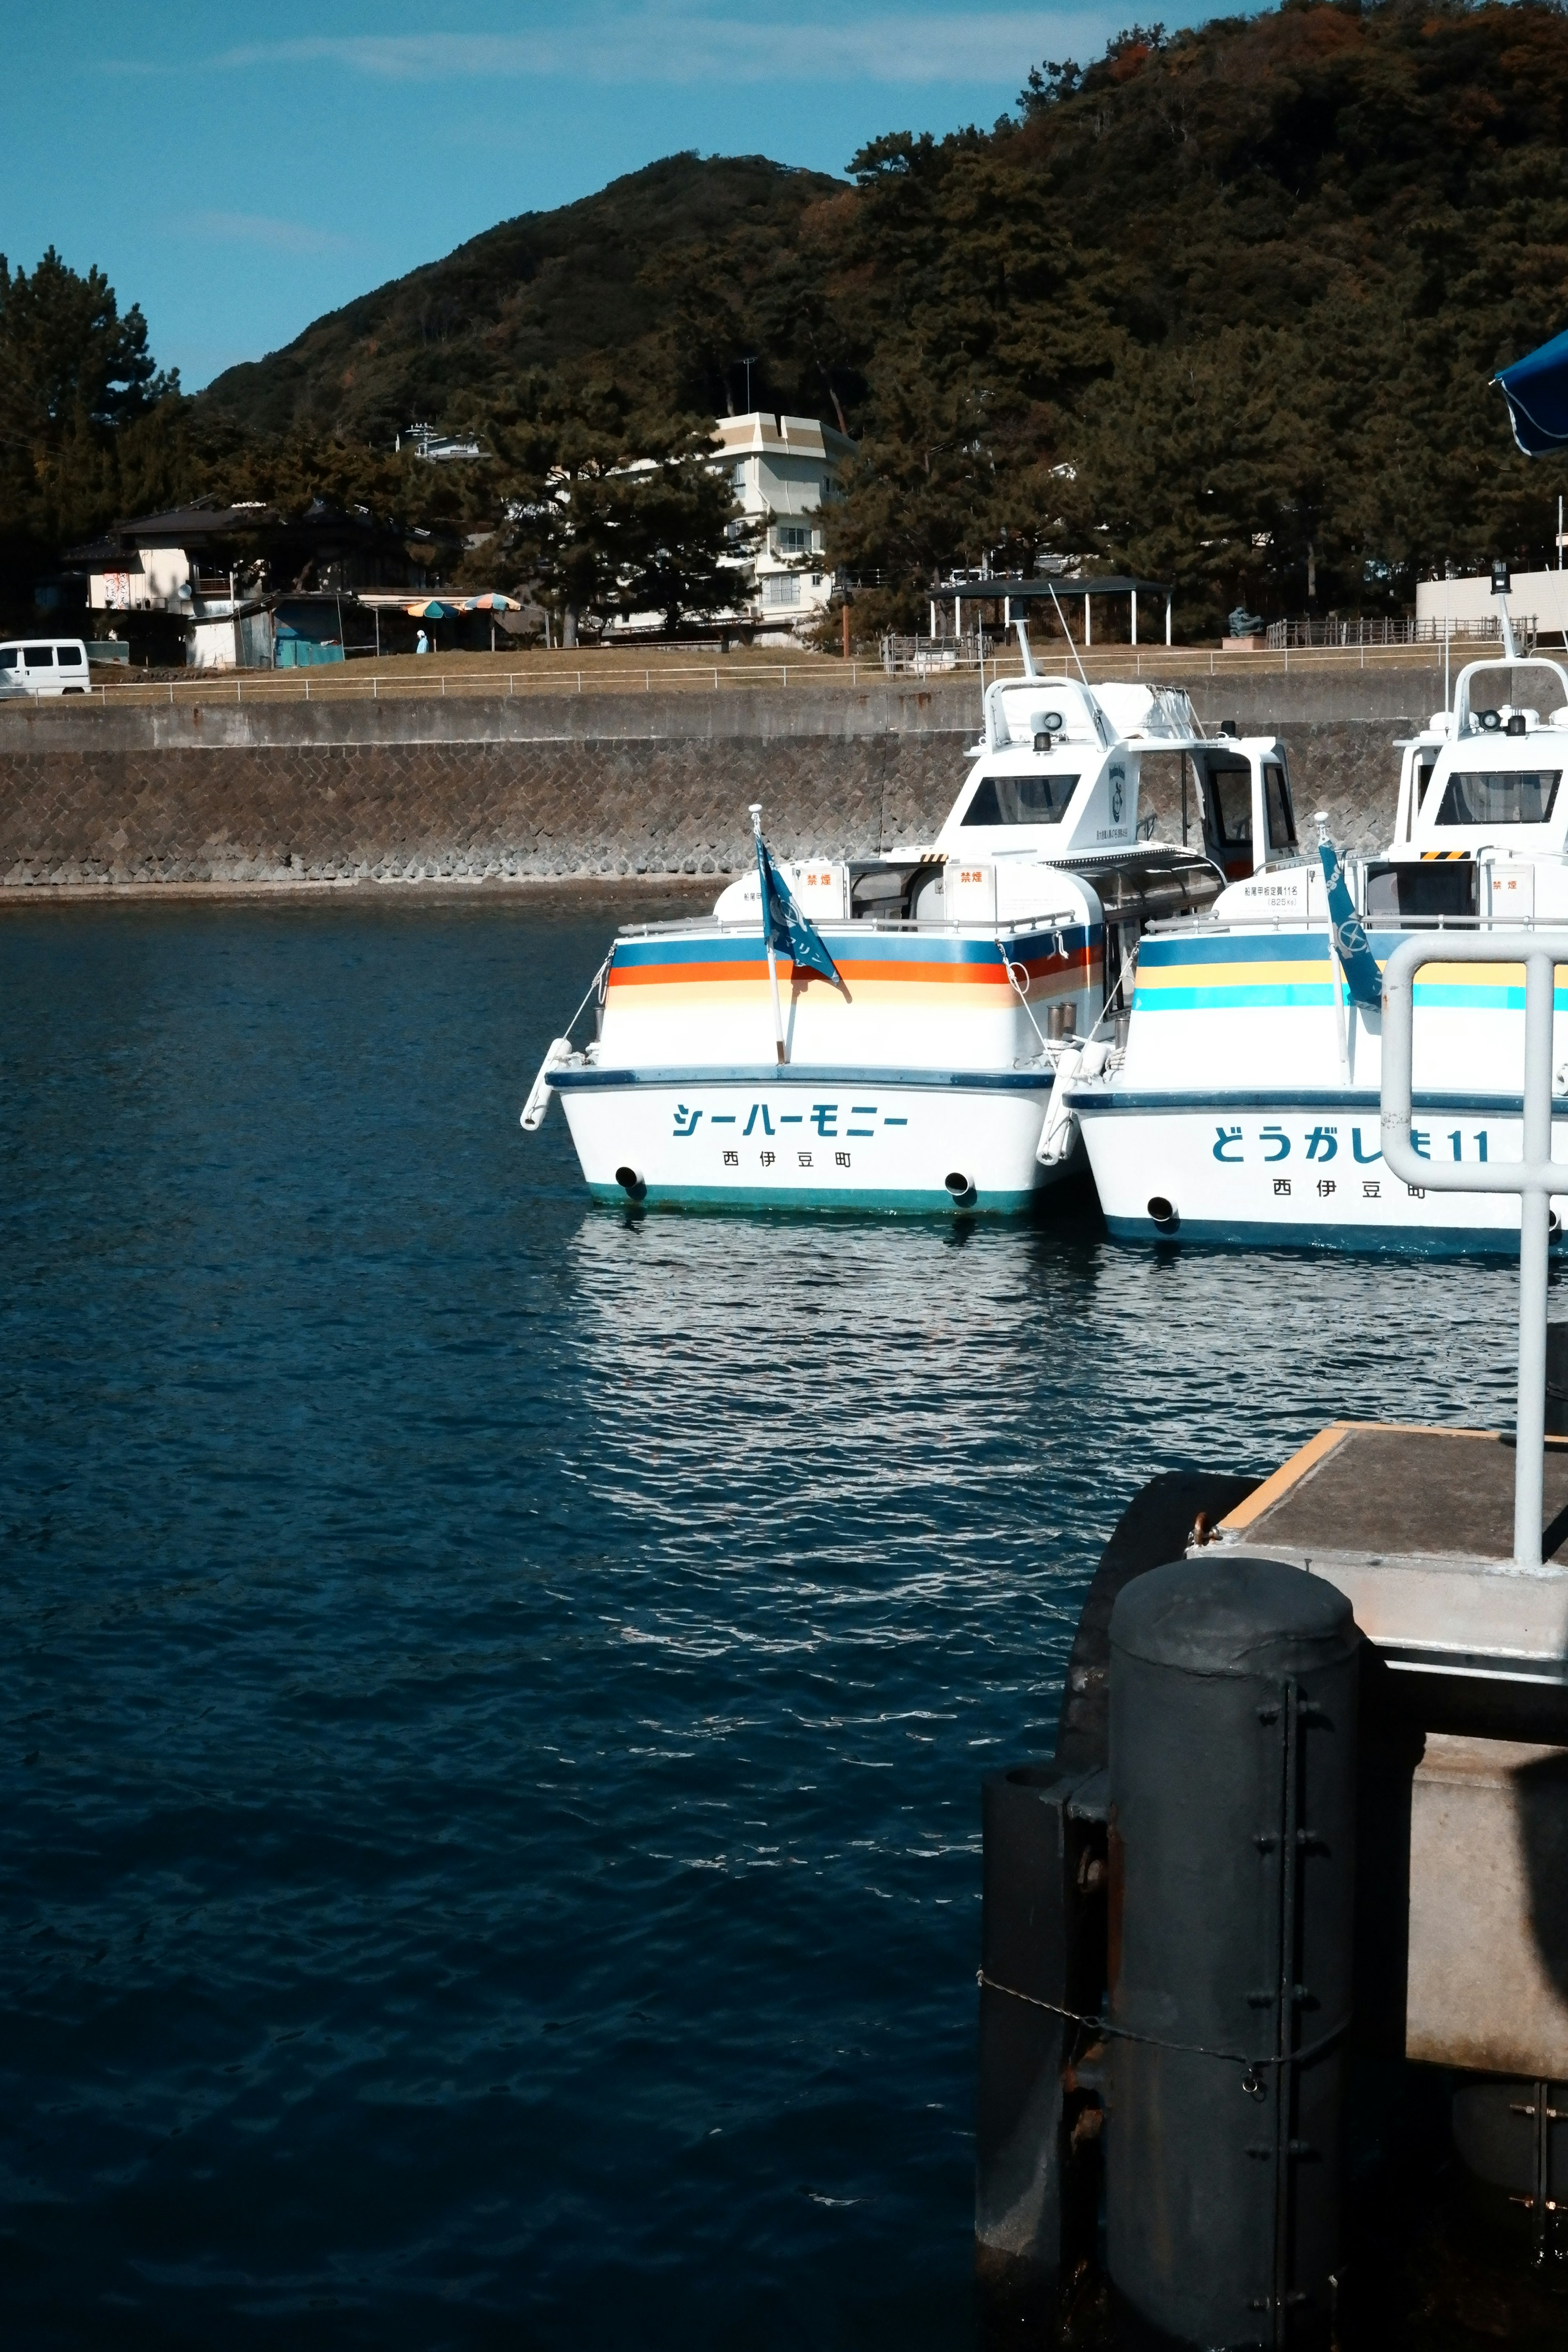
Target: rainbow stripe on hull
x,y
918,1085
907,998
1246,1110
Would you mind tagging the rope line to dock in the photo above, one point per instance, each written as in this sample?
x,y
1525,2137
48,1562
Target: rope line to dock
x,y
1103,2025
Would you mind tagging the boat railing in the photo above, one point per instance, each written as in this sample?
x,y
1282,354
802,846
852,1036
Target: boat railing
x,y
1316,920
1535,1176
719,927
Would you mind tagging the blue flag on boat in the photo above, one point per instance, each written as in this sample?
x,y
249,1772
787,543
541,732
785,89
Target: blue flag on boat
x,y
1357,961
785,927
1536,391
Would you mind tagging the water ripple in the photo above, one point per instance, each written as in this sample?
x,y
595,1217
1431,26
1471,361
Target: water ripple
x,y
494,1693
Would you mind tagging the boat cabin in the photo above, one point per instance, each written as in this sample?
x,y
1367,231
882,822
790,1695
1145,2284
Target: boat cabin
x,y
1482,824
1054,787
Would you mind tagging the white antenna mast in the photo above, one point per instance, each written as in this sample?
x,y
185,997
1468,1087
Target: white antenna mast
x,y
1065,631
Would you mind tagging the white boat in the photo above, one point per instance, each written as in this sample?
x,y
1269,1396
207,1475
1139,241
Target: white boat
x,y
921,1076
1244,1107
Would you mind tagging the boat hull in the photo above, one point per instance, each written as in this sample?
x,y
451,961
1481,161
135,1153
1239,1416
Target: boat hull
x,y
803,1138
1252,1173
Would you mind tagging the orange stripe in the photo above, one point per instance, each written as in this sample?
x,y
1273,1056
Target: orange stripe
x,y
679,975
668,975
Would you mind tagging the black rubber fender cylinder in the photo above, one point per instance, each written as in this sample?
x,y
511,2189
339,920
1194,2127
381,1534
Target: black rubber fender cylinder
x,y
1232,1858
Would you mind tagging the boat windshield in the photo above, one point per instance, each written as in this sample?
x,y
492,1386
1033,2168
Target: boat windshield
x,y
1231,781
1277,801
1499,797
1021,800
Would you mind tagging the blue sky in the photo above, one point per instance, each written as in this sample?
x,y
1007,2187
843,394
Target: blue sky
x,y
239,171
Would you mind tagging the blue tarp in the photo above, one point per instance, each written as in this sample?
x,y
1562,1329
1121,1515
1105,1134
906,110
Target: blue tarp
x,y
1536,391
302,653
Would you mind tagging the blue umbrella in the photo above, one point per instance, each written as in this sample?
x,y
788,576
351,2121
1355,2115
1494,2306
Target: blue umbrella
x,y
1536,391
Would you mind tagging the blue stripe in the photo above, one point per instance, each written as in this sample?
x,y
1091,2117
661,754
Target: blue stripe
x,y
777,1200
1301,1098
1211,1000
799,1073
1270,947
1486,1000
1376,1240
1464,996
850,939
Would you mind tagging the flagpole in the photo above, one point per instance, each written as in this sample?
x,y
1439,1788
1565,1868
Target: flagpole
x,y
768,933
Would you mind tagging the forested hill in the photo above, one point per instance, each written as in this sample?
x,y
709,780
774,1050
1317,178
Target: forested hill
x,y
1207,306
1222,307
589,286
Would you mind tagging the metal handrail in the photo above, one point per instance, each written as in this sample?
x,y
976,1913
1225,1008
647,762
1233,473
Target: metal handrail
x,y
1534,1177
1429,926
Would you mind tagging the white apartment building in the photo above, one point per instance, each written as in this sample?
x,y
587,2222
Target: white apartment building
x,y
783,471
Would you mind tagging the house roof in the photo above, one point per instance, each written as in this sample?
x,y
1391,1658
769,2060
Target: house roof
x,y
192,525
1096,584
783,436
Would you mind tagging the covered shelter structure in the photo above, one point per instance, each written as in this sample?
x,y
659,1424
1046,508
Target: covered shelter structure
x,y
1016,594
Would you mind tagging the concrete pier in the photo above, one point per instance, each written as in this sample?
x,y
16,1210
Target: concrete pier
x,y
1456,2041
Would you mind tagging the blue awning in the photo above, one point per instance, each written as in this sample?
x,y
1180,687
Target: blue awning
x,y
1536,391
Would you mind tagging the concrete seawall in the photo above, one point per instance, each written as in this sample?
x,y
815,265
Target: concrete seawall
x,y
550,786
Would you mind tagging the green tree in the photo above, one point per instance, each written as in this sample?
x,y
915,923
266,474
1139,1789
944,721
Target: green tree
x,y
69,362
607,514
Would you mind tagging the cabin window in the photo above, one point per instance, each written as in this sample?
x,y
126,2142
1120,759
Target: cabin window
x,y
1231,781
1021,800
1499,797
39,657
10,657
1433,888
70,655
1277,801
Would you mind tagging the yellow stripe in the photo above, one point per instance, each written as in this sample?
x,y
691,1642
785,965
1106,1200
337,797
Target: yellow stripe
x,y
1436,974
1233,975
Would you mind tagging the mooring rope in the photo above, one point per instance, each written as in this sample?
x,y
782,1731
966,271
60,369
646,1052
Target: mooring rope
x,y
1103,2026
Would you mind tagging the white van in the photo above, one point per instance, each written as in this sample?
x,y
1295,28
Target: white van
x,y
43,665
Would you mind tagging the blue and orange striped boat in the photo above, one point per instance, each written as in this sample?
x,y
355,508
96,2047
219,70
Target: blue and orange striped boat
x,y
920,1075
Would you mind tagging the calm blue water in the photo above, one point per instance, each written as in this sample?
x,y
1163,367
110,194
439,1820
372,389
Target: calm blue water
x,y
494,1695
